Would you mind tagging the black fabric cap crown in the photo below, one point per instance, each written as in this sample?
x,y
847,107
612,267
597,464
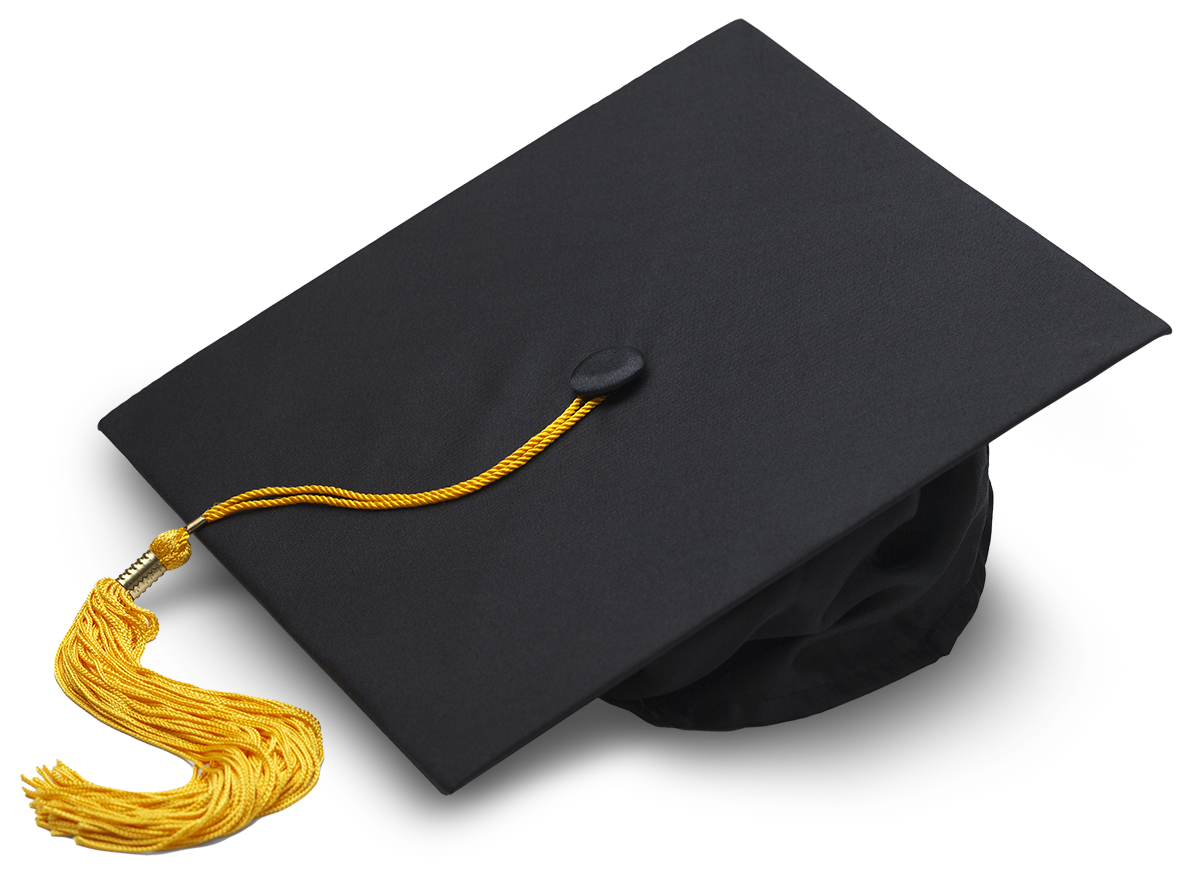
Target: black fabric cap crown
x,y
886,599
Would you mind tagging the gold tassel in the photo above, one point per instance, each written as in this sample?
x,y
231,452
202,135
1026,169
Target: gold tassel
x,y
249,756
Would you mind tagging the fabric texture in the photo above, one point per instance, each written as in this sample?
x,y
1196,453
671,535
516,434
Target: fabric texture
x,y
882,602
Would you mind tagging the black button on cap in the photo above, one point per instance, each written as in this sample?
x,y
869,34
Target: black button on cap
x,y
604,371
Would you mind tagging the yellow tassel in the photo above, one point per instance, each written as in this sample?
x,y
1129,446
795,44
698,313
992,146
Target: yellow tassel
x,y
249,756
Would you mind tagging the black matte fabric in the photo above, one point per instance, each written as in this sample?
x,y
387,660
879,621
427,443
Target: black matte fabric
x,y
829,319
880,603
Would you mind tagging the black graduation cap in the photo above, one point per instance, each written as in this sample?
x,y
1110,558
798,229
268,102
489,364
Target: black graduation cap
x,y
786,508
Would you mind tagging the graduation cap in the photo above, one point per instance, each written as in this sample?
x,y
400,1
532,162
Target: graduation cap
x,y
784,339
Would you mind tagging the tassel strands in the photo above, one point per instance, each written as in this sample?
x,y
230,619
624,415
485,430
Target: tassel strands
x,y
250,756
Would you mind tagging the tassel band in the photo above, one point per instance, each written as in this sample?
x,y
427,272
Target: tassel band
x,y
141,574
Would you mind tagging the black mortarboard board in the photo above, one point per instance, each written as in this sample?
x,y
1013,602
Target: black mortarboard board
x,y
788,508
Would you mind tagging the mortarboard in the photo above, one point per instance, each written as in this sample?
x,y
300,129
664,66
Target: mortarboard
x,y
784,506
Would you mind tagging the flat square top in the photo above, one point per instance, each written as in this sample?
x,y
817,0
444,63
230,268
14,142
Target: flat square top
x,y
829,320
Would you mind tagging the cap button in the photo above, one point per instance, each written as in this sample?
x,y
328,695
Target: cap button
x,y
605,371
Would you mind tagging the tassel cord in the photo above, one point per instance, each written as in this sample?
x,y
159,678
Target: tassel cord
x,y
249,756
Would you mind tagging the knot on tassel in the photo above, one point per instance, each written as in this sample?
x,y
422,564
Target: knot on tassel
x,y
248,756
172,548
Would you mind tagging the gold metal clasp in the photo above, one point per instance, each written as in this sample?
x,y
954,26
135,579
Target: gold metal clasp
x,y
141,574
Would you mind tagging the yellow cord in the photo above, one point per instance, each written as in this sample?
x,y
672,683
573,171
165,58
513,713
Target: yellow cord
x,y
263,498
249,756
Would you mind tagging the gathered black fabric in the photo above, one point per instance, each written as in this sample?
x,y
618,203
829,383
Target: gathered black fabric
x,y
880,603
